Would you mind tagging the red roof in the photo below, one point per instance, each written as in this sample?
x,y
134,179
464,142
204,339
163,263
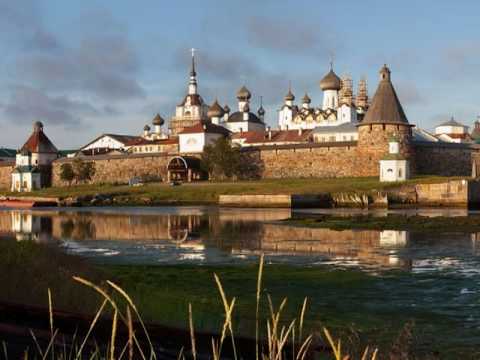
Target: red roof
x,y
142,141
205,128
278,136
38,142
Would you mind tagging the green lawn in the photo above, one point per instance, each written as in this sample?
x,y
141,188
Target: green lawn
x,y
208,192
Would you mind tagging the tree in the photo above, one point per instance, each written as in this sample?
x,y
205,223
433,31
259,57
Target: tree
x,y
84,171
222,160
66,173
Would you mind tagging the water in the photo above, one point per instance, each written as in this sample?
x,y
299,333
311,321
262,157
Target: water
x,y
432,278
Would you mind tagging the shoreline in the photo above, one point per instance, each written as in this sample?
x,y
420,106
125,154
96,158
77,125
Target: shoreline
x,y
364,193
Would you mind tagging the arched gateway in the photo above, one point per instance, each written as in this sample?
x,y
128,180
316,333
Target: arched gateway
x,y
185,168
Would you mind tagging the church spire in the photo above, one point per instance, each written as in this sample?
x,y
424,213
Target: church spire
x,y
192,85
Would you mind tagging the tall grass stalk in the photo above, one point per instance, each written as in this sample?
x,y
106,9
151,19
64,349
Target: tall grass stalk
x,y
279,337
257,310
228,313
192,332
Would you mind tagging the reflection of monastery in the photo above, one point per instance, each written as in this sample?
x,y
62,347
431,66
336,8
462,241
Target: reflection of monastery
x,y
346,134
237,233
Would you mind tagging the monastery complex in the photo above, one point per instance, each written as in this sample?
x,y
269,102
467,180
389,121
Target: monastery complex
x,y
349,134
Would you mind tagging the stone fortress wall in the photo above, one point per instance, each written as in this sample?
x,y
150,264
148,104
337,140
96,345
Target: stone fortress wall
x,y
291,161
6,175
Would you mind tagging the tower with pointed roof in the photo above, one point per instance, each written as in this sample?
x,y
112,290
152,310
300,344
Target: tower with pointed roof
x,y
385,118
33,163
192,110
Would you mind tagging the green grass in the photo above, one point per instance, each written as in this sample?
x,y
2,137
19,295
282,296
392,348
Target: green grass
x,y
437,224
208,192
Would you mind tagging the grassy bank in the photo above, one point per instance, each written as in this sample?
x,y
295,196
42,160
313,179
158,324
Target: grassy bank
x,y
359,307
437,224
208,192
354,305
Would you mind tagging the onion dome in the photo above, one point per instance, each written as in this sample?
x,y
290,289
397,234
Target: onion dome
x,y
37,126
261,111
330,81
246,108
289,96
146,128
306,99
243,94
215,111
226,109
158,120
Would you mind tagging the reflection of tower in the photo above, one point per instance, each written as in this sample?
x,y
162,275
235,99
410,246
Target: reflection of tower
x,y
394,238
31,227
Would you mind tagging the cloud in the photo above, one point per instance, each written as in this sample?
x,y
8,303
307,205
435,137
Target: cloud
x,y
292,36
103,66
27,104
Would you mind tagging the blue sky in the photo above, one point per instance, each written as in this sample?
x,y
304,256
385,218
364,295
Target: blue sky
x,y
89,67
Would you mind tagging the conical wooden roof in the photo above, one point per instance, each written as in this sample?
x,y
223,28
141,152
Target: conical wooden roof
x,y
38,142
385,107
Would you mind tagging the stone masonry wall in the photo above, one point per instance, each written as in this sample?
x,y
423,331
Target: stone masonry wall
x,y
121,168
6,176
313,160
444,159
373,142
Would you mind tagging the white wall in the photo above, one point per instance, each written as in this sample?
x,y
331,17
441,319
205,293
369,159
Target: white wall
x,y
451,130
24,182
335,136
240,126
393,170
43,159
194,143
346,114
104,142
330,99
191,143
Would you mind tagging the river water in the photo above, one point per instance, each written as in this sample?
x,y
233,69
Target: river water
x,y
433,279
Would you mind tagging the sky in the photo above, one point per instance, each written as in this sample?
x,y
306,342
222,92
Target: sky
x,y
89,67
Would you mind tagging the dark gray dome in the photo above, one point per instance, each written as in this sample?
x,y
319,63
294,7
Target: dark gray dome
x,y
330,81
243,94
215,110
306,99
158,120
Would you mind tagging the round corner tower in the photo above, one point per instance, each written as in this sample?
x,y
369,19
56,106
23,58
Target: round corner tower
x,y
385,118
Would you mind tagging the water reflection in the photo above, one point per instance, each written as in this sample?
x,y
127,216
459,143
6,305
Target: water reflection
x,y
211,235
